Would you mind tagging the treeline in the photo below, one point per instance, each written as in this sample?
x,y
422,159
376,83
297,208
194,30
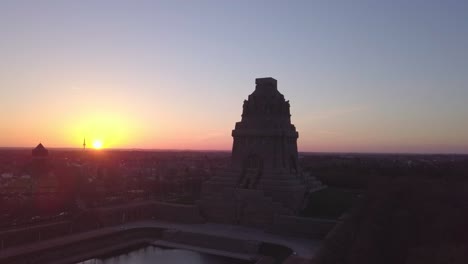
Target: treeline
x,y
408,220
358,172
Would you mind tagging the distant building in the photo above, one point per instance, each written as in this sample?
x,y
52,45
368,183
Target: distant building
x,y
264,178
40,161
44,180
40,151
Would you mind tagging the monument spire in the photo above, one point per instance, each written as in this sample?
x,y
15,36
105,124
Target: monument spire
x,y
84,143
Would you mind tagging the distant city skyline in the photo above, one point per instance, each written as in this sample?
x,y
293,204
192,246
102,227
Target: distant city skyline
x,y
361,76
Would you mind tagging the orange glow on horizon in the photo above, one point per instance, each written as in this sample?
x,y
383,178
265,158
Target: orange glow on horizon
x,y
97,144
106,129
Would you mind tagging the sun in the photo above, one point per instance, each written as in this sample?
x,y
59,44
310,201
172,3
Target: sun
x,y
97,144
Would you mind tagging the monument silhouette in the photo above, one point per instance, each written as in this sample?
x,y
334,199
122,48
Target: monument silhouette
x,y
264,178
40,161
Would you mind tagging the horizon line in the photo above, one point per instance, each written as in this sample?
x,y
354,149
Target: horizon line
x,y
226,150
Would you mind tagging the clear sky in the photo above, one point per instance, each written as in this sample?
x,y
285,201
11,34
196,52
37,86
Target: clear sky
x,y
361,76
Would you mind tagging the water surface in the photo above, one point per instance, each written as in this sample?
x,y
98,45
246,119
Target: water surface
x,y
152,254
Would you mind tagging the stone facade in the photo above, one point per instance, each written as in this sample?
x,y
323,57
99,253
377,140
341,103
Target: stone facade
x,y
40,161
265,139
264,178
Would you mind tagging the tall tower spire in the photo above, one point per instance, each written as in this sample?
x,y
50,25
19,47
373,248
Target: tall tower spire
x,y
84,143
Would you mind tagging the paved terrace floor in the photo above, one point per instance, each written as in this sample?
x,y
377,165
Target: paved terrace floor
x,y
302,247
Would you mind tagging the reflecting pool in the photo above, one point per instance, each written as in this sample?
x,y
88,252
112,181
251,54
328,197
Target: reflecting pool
x,y
152,254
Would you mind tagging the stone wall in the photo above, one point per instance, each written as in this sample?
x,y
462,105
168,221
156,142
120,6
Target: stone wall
x,y
211,241
302,226
102,217
278,252
148,210
189,214
80,247
21,236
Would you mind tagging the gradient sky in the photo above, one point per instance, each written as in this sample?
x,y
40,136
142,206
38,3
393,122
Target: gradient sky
x,y
361,76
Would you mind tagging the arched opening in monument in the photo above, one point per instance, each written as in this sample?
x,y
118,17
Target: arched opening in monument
x,y
251,172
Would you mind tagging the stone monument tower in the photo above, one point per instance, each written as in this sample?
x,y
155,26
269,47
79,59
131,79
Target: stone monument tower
x,y
264,178
40,161
264,140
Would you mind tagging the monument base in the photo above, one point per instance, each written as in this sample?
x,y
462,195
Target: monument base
x,y
277,193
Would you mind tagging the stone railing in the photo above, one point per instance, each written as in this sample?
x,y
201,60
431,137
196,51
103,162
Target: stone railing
x,y
213,242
